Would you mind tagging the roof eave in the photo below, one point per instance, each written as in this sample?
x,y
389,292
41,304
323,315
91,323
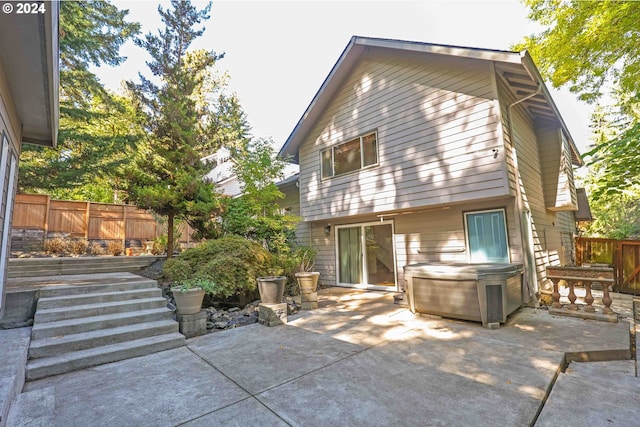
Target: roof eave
x,y
530,66
30,54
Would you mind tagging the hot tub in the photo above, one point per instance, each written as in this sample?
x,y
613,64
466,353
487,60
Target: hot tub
x,y
485,293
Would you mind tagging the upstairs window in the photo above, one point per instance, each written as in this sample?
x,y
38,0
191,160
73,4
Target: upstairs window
x,y
350,156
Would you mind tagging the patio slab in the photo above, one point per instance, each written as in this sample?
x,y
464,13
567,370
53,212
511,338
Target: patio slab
x,y
357,360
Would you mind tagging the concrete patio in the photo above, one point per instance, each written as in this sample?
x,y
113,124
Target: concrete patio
x,y
357,360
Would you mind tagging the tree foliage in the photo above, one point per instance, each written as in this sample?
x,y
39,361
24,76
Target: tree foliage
x,y
587,44
186,116
256,214
593,47
96,130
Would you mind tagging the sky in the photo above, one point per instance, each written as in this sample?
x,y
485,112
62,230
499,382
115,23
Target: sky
x,y
278,53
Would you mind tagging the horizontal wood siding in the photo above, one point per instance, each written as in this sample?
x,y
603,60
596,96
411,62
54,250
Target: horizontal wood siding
x,y
436,124
551,231
326,252
291,205
10,133
506,98
439,235
429,236
550,150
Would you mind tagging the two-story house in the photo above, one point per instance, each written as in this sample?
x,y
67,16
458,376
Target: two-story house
x,y
28,99
414,152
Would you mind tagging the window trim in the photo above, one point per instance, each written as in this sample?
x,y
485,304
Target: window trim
x,y
332,148
506,231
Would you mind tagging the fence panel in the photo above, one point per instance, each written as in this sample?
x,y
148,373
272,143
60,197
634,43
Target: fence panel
x,y
623,255
630,267
37,217
68,217
593,250
141,225
30,211
106,222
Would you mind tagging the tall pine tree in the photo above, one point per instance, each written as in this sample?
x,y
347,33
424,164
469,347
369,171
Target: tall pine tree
x,y
187,116
96,131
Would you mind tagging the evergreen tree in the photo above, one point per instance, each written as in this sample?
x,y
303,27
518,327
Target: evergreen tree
x,y
187,116
96,131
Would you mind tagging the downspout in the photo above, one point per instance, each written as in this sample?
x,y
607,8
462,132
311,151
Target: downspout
x,y
532,287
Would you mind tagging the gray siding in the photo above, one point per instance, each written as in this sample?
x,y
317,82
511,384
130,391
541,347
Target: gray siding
x,y
429,236
437,125
551,231
9,156
291,205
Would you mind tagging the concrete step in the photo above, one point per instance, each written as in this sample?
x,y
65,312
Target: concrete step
x,y
48,366
34,267
90,310
48,347
33,408
98,297
17,262
86,324
589,397
112,285
71,271
32,263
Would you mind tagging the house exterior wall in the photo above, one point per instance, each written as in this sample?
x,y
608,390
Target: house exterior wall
x,y
437,124
451,140
290,204
427,236
537,174
9,156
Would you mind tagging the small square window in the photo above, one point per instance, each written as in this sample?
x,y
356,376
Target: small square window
x,y
487,236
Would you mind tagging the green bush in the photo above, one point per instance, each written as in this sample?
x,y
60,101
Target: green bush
x,y
232,263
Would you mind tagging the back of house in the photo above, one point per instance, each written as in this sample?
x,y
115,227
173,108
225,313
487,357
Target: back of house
x,y
413,152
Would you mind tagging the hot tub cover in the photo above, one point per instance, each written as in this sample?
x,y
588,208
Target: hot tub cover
x,y
460,270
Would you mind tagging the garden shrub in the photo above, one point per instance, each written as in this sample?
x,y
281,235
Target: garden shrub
x,y
56,246
114,248
97,249
78,246
233,263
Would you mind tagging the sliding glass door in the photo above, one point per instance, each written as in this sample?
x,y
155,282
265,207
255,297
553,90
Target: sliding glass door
x,y
365,255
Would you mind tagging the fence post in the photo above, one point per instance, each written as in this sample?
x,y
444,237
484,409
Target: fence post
x,y
618,265
87,218
124,228
46,220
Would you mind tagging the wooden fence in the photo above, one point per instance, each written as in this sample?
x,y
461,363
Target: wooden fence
x,y
622,255
38,215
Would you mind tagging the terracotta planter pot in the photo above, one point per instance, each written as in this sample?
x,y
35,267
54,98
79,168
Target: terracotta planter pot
x,y
271,289
308,281
189,301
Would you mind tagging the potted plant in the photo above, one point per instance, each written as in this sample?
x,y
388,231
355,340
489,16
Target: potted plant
x,y
189,294
306,277
271,289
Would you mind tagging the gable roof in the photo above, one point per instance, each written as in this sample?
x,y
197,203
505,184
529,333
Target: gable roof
x,y
517,68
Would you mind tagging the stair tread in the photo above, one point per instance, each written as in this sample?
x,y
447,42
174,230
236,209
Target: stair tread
x,y
101,318
97,294
75,337
96,305
102,350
